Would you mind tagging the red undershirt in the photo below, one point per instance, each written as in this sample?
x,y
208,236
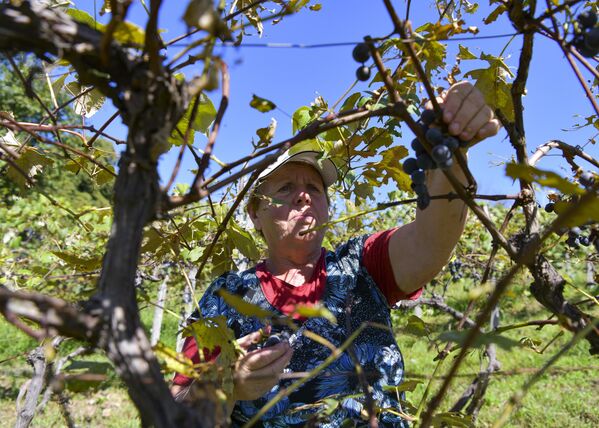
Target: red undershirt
x,y
284,296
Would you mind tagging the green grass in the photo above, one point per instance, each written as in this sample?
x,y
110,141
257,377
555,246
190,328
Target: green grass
x,y
566,396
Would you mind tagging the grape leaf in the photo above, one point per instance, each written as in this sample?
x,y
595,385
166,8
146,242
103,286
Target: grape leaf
x,y
262,104
544,178
315,311
244,308
175,361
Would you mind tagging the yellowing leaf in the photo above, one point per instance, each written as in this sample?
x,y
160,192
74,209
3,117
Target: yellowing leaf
x,y
211,333
493,85
465,53
244,308
389,168
315,311
262,104
544,178
315,7
175,361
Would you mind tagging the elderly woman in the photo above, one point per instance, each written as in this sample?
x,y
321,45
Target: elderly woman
x,y
358,282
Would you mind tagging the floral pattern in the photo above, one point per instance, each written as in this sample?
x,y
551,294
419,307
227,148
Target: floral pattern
x,y
353,297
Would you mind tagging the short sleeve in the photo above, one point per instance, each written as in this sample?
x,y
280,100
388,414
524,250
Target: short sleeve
x,y
375,258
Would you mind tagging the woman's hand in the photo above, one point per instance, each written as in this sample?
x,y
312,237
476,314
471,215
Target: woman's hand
x,y
466,114
258,371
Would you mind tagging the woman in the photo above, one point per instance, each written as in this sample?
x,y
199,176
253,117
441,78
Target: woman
x,y
358,283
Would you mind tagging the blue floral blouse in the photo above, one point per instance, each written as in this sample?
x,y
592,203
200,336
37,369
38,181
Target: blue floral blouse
x,y
353,297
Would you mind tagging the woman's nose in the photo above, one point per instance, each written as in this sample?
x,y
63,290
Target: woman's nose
x,y
303,196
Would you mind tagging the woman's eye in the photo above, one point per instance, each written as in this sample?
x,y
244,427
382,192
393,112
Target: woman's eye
x,y
285,188
315,188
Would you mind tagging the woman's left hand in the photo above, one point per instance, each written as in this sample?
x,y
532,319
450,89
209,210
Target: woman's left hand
x,y
466,113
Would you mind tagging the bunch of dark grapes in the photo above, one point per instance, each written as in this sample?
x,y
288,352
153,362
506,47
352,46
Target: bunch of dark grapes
x,y
586,36
361,54
268,341
455,269
576,235
441,156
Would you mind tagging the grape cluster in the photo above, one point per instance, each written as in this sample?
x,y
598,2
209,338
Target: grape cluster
x,y
586,37
455,269
576,236
361,54
268,341
441,156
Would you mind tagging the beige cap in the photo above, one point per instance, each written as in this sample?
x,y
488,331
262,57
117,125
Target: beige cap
x,y
324,166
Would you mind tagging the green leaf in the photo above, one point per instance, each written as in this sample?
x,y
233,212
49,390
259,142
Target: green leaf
x,y
262,104
85,18
301,118
544,178
175,361
315,311
205,114
465,53
79,263
483,339
406,385
244,308
87,104
128,33
103,176
416,326
453,419
243,241
30,161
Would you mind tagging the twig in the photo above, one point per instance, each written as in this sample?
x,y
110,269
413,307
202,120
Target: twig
x,y
224,102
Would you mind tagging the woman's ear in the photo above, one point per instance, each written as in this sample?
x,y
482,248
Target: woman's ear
x,y
252,213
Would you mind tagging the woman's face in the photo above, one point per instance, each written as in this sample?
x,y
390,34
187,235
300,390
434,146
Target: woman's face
x,y
294,200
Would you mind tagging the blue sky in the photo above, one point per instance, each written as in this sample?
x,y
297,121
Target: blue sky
x,y
294,77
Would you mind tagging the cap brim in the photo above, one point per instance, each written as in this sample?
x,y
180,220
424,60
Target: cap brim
x,y
325,167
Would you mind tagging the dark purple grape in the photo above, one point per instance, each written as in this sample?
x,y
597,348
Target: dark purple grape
x,y
418,176
434,136
584,240
591,39
425,161
254,346
550,207
575,231
581,47
361,52
587,179
572,241
441,154
410,165
272,341
423,201
451,142
587,19
428,116
419,189
417,146
363,73
446,165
